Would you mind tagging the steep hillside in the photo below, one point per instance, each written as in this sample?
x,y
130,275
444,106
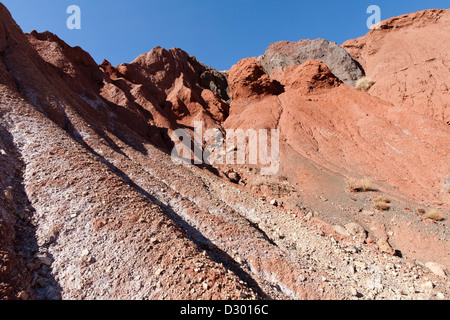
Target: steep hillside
x,y
409,58
93,207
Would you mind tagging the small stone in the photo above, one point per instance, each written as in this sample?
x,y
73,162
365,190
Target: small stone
x,y
42,282
309,216
440,295
389,266
301,278
2,152
46,261
342,231
356,230
234,177
85,253
351,269
428,285
154,241
23,295
385,247
353,292
360,265
437,269
274,203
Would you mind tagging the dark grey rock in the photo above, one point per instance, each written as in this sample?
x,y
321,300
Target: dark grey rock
x,y
283,54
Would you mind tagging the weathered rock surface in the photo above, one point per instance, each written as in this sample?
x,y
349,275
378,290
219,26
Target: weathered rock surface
x,y
92,207
409,58
284,54
437,269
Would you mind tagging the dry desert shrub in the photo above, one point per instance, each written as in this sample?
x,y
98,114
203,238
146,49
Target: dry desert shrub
x,y
359,185
381,203
434,215
382,199
364,84
381,206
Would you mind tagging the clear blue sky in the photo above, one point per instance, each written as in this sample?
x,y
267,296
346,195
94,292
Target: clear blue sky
x,y
219,33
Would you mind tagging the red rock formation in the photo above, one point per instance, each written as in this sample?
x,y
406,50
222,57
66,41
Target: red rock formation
x,y
408,57
86,159
330,131
345,130
280,55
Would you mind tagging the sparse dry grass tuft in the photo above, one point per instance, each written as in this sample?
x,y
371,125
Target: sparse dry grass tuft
x,y
361,185
364,84
434,215
382,199
381,206
382,203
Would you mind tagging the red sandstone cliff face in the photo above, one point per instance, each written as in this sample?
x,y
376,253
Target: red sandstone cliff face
x,y
409,58
345,130
330,132
92,206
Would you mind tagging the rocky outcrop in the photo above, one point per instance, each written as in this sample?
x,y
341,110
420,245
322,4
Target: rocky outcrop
x,y
61,123
283,54
92,206
254,93
248,79
312,76
408,57
333,125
